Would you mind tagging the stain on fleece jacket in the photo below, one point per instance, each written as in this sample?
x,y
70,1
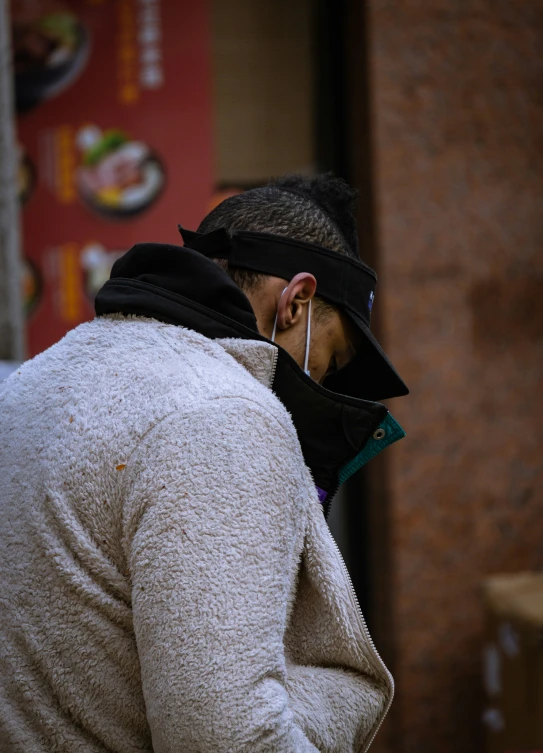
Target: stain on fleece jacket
x,y
167,580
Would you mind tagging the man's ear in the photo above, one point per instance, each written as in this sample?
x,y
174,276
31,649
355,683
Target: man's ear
x,y
296,295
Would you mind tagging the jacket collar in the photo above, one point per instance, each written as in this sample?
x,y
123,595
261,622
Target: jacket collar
x,y
179,286
259,358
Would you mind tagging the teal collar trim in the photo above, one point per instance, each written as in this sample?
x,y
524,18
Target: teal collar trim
x,y
388,432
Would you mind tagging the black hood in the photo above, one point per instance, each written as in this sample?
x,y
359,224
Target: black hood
x,y
179,286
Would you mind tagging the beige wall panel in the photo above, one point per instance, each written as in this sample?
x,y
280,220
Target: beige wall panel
x,y
262,62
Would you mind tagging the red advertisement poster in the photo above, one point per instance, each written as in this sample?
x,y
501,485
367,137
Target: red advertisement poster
x,y
115,141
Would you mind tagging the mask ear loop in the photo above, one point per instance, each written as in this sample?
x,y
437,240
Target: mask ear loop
x,y
308,340
307,337
276,316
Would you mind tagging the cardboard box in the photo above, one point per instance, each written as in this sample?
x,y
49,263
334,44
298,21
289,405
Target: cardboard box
x,y
513,663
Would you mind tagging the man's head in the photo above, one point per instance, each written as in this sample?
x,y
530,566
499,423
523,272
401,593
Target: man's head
x,y
316,210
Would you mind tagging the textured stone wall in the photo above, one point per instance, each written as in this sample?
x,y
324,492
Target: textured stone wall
x,y
457,120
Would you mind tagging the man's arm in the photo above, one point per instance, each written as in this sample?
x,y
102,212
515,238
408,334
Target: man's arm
x,y
213,533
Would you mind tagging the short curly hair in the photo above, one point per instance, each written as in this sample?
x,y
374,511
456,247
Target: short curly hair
x,y
317,209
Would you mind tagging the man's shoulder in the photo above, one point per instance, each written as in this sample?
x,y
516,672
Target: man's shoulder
x,y
131,372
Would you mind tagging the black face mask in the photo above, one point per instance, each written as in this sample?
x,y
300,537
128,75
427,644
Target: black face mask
x,y
177,285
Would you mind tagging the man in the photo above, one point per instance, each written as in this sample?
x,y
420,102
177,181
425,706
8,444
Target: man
x,y
167,578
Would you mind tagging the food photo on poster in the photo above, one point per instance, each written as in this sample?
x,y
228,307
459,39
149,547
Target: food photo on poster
x,y
118,176
50,49
115,142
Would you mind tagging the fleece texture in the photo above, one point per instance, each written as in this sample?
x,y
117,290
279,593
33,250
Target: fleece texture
x,y
168,582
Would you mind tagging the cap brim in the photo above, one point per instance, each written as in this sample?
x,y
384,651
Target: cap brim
x,y
370,375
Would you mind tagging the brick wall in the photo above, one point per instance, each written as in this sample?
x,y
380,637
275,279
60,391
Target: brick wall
x,y
457,121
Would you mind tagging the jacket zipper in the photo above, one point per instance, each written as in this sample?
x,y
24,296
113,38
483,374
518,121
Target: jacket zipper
x,y
274,365
362,621
367,636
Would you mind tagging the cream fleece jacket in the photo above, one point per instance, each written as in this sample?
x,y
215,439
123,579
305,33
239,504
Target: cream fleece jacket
x,y
168,582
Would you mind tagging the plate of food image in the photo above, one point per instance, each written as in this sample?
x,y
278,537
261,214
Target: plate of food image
x,y
119,177
50,49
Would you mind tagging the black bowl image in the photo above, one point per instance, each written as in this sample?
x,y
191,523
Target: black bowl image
x,y
49,53
120,177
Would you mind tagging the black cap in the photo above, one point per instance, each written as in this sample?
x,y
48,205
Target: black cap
x,y
343,281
